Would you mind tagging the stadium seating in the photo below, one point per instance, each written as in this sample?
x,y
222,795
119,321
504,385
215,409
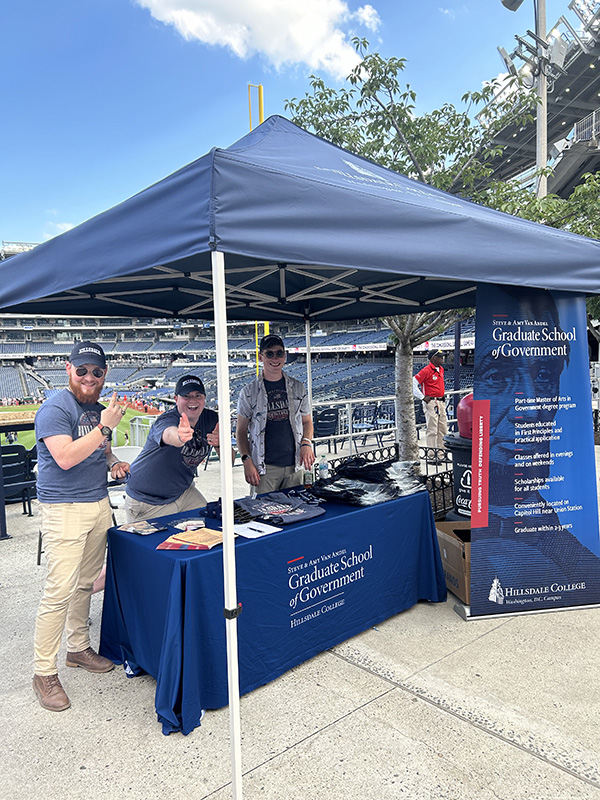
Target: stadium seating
x,y
201,345
55,377
140,351
131,347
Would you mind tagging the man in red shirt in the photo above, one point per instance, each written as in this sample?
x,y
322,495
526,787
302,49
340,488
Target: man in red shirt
x,y
428,386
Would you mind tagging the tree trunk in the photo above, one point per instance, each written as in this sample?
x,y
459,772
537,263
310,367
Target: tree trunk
x,y
405,408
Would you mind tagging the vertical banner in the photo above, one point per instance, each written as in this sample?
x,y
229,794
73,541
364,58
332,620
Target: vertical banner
x,y
480,461
534,542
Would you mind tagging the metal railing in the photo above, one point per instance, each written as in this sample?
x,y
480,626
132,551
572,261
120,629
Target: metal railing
x,y
439,482
587,128
346,412
438,477
139,428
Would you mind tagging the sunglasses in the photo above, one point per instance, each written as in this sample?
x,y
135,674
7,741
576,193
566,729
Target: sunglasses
x,y
274,353
96,372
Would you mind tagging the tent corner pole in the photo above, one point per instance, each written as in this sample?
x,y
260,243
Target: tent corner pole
x,y
233,681
308,361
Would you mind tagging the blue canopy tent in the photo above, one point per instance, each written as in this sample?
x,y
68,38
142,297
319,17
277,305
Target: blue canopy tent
x,y
284,225
308,229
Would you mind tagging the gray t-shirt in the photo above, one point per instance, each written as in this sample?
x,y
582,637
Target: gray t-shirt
x,y
161,473
85,482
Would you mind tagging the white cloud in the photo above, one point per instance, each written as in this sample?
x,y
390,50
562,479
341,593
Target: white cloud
x,y
368,17
284,32
447,12
55,228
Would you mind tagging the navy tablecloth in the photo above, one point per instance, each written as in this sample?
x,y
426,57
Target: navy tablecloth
x,y
303,590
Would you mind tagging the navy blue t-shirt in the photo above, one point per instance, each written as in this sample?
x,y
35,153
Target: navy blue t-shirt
x,y
63,414
280,448
161,473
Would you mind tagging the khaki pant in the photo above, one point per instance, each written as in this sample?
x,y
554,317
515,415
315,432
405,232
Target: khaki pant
x,y
190,500
74,537
437,423
277,478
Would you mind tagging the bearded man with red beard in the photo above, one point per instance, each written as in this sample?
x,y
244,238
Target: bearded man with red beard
x,y
73,432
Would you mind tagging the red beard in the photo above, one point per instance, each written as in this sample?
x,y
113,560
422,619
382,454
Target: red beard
x,y
85,396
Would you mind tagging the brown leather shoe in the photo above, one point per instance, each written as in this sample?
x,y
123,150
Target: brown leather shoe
x,y
50,692
90,660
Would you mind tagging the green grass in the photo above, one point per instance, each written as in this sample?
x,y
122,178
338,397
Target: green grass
x,y
27,438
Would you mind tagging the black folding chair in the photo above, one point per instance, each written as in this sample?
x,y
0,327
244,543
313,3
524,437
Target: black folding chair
x,y
386,415
364,420
19,480
326,424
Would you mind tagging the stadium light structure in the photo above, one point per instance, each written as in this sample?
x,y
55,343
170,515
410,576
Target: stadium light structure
x,y
537,57
508,62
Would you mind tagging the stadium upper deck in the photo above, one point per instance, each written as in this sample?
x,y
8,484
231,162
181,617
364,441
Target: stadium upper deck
x,y
147,356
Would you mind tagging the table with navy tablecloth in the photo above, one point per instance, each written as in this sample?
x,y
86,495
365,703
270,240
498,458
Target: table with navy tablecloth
x,y
303,590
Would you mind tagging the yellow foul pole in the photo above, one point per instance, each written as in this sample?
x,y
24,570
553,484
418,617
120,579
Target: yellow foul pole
x,y
265,332
261,103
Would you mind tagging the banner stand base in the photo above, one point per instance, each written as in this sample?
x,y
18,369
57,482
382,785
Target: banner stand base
x,y
465,612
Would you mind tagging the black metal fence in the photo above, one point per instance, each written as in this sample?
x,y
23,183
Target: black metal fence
x,y
438,473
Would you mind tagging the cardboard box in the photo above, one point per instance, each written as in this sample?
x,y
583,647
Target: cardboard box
x,y
454,539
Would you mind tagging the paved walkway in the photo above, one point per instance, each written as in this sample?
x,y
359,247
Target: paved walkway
x,y
423,706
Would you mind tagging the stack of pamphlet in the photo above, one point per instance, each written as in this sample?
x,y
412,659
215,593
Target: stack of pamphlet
x,y
142,528
199,539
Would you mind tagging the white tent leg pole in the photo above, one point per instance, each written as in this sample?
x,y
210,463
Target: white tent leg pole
x,y
222,357
308,362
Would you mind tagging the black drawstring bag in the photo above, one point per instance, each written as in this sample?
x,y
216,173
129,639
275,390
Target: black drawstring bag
x,y
353,492
363,470
359,482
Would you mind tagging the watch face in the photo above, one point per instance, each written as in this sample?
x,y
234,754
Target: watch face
x,y
106,430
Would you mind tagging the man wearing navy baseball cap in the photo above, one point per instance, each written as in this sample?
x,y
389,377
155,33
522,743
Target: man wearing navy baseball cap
x,y
87,353
73,432
161,479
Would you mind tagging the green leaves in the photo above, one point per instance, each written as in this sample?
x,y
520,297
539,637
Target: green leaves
x,y
374,115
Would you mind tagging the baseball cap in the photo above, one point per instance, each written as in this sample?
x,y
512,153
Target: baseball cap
x,y
269,340
189,383
436,353
87,353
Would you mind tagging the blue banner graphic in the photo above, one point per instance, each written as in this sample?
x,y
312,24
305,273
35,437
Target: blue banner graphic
x,y
535,542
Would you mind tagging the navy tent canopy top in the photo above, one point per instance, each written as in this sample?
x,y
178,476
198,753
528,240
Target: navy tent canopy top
x,y
307,229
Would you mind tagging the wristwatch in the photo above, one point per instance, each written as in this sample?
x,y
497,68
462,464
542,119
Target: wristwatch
x,y
245,457
105,430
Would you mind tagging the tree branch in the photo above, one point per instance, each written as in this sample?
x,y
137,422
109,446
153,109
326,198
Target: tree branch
x,y
402,137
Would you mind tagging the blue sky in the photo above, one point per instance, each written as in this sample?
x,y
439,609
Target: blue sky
x,y
102,98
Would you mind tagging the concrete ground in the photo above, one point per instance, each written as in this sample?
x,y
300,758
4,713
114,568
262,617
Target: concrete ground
x,y
423,706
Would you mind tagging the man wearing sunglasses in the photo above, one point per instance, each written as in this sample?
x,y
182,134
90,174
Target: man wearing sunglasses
x,y
162,476
73,432
274,424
